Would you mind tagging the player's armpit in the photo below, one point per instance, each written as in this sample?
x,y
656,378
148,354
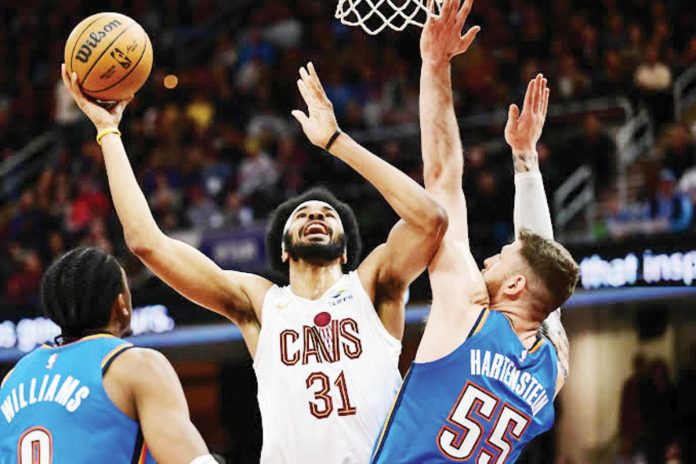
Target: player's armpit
x,y
161,406
459,295
454,271
390,268
235,295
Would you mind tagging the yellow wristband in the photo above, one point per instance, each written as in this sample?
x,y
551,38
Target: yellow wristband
x,y
103,132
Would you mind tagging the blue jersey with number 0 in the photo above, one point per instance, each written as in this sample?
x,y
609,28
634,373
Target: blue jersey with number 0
x,y
480,404
53,408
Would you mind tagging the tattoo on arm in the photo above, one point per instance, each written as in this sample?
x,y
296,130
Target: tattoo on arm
x,y
525,162
553,329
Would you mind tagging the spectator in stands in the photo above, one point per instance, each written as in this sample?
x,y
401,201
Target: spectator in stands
x,y
163,198
292,163
258,176
673,454
686,407
632,51
572,82
202,213
614,36
56,246
670,209
680,152
593,146
90,203
234,212
631,420
658,411
612,79
24,284
653,79
494,226
200,111
688,56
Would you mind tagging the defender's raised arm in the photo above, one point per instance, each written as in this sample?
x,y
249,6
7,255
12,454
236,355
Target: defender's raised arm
x,y
531,211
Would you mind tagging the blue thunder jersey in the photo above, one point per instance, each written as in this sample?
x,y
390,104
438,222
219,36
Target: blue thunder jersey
x,y
53,408
480,404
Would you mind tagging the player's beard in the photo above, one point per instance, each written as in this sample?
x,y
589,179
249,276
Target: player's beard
x,y
316,252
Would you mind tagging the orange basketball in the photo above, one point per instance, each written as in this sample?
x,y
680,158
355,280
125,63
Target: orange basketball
x,y
111,54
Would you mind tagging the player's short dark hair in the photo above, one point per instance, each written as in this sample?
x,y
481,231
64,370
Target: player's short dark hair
x,y
279,217
79,289
553,264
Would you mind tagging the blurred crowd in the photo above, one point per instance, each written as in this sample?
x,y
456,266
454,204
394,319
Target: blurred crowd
x,y
657,417
219,148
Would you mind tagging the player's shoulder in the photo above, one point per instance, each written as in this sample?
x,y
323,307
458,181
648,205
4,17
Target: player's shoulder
x,y
137,363
254,281
253,285
139,356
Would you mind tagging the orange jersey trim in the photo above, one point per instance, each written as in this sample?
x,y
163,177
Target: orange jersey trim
x,y
142,459
482,321
387,422
537,345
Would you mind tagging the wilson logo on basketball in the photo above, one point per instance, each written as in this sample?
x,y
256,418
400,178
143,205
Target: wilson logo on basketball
x,y
90,44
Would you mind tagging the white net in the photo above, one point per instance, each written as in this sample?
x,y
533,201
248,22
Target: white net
x,y
376,15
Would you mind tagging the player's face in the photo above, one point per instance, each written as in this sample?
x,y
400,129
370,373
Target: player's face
x,y
501,266
316,233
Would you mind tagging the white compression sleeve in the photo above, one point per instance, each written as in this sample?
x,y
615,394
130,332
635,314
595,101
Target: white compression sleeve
x,y
531,209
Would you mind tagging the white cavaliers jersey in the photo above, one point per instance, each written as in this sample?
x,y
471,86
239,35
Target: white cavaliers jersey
x,y
327,371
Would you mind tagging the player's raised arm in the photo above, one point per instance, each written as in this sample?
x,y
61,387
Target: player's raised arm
x,y
522,132
235,295
159,405
413,241
443,163
443,166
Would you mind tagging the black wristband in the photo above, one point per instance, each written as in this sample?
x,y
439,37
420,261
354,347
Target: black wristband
x,y
332,139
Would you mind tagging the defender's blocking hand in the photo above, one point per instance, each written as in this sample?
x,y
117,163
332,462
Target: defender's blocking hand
x,y
320,122
522,131
442,37
100,116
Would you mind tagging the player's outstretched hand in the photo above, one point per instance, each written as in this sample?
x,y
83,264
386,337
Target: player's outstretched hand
x,y
100,117
442,38
522,131
320,122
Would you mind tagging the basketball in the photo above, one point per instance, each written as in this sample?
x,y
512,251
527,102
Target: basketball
x,y
111,54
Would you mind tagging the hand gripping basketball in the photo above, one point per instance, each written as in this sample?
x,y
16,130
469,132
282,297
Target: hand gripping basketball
x,y
319,125
111,54
102,118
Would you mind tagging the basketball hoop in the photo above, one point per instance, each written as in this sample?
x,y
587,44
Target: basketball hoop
x,y
376,15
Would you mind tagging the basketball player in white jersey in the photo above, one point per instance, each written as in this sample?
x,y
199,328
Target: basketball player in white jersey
x,y
325,347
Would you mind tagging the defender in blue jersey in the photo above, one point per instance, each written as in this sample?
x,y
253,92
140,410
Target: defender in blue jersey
x,y
484,379
93,397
